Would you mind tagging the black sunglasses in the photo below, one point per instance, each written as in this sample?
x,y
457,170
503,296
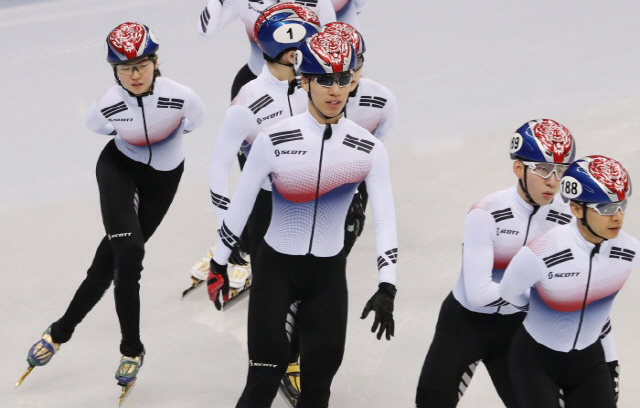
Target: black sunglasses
x,y
327,81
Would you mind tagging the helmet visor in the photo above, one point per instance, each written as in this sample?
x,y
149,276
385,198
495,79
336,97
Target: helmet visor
x,y
608,208
544,170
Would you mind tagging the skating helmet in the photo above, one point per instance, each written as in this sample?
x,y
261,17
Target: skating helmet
x,y
596,179
284,26
352,36
349,33
543,140
129,41
324,53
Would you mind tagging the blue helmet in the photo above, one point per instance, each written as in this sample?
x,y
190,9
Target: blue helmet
x,y
284,26
543,140
324,53
129,41
595,179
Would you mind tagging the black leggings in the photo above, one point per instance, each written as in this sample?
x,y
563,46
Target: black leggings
x,y
320,286
119,256
462,339
242,77
539,373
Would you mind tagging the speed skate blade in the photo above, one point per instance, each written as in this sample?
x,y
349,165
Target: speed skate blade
x,y
236,298
196,283
126,390
26,373
291,401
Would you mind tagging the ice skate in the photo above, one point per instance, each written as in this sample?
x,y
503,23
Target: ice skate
x,y
239,282
127,374
290,384
40,353
199,272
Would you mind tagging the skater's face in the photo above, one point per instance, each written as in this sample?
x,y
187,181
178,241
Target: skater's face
x,y
542,190
328,94
607,226
137,76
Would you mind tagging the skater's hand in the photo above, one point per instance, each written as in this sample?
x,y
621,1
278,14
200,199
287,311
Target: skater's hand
x,y
354,223
236,256
218,281
382,304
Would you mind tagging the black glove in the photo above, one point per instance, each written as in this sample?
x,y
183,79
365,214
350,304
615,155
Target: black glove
x,y
614,369
218,281
382,304
354,224
236,257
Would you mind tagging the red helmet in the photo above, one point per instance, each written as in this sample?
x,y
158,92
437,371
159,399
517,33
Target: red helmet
x,y
325,53
349,33
129,41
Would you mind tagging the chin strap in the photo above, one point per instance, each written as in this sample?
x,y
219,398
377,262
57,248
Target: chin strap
x,y
584,222
292,87
523,186
353,93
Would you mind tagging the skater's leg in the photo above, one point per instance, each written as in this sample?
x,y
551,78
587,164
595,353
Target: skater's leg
x,y
322,322
91,290
291,379
156,190
115,186
497,362
498,368
591,380
452,358
267,337
533,373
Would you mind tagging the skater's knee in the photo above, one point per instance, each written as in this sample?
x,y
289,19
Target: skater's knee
x,y
129,258
100,279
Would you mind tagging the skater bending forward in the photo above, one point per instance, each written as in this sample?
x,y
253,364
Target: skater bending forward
x,y
315,161
138,174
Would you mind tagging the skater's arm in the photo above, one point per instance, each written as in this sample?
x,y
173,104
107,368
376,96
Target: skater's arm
x,y
256,169
238,124
216,16
523,272
478,259
381,132
96,122
194,112
384,217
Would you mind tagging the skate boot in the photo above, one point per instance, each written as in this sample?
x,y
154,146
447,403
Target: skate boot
x,y
40,353
290,384
127,374
199,272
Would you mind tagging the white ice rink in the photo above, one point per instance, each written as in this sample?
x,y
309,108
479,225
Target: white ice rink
x,y
467,73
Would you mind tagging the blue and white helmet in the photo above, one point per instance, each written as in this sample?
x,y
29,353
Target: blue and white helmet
x,y
129,41
284,26
596,179
543,140
324,53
